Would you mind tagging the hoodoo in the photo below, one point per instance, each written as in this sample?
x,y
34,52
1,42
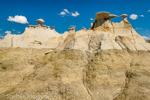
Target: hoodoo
x,y
40,21
72,29
104,35
38,36
109,61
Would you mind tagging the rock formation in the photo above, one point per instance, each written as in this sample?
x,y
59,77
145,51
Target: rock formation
x,y
110,61
104,35
66,33
7,41
40,21
148,41
39,36
72,29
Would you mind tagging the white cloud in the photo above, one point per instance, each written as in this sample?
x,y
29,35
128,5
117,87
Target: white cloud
x,y
75,14
92,19
133,16
66,10
138,28
146,38
13,29
0,29
148,11
18,32
8,32
146,30
1,36
63,13
142,16
19,19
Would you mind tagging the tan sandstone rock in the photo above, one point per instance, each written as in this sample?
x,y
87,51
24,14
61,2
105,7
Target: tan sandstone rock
x,y
106,35
40,36
110,61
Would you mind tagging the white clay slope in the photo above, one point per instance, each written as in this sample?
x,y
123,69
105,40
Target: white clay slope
x,y
39,36
6,41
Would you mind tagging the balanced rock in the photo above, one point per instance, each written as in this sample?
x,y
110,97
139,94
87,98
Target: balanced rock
x,y
40,21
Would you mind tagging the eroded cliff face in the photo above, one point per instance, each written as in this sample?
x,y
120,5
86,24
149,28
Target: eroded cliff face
x,y
137,79
74,74
38,36
106,35
148,41
110,61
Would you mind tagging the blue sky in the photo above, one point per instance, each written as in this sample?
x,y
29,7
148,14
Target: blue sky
x,y
77,12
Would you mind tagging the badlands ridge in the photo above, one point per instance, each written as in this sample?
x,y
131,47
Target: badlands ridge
x,y
102,35
109,61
